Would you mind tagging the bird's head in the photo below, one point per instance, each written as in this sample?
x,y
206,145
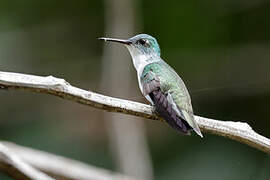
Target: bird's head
x,y
139,45
143,49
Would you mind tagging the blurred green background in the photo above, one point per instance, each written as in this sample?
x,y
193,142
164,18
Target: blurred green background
x,y
220,48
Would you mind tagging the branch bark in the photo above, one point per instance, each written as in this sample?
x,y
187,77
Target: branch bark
x,y
17,168
61,168
238,131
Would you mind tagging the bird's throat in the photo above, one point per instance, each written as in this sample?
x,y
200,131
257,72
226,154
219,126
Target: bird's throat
x,y
139,59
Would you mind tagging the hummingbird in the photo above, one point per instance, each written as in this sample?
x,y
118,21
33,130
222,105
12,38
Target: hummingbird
x,y
160,84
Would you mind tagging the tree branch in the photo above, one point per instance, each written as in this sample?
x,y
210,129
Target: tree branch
x,y
239,131
60,167
16,168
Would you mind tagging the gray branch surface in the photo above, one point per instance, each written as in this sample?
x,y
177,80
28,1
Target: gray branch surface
x,y
238,131
59,167
13,165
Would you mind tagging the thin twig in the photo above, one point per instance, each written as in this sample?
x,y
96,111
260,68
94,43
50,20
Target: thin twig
x,y
17,168
239,131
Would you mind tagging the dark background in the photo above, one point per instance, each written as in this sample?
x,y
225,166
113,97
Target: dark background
x,y
220,49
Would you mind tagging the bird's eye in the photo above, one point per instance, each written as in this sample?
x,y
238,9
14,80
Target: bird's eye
x,y
143,42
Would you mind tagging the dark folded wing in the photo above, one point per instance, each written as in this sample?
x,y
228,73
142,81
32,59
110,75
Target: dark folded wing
x,y
151,86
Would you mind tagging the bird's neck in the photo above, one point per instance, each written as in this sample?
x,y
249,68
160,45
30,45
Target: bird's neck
x,y
140,60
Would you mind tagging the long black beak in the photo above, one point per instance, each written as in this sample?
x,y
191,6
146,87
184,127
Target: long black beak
x,y
123,41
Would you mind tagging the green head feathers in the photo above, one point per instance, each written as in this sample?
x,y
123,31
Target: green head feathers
x,y
146,44
142,43
143,49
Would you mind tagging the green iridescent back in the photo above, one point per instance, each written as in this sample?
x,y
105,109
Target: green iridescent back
x,y
170,82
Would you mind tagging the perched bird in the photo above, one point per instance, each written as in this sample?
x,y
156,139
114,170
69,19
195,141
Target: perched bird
x,y
160,84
